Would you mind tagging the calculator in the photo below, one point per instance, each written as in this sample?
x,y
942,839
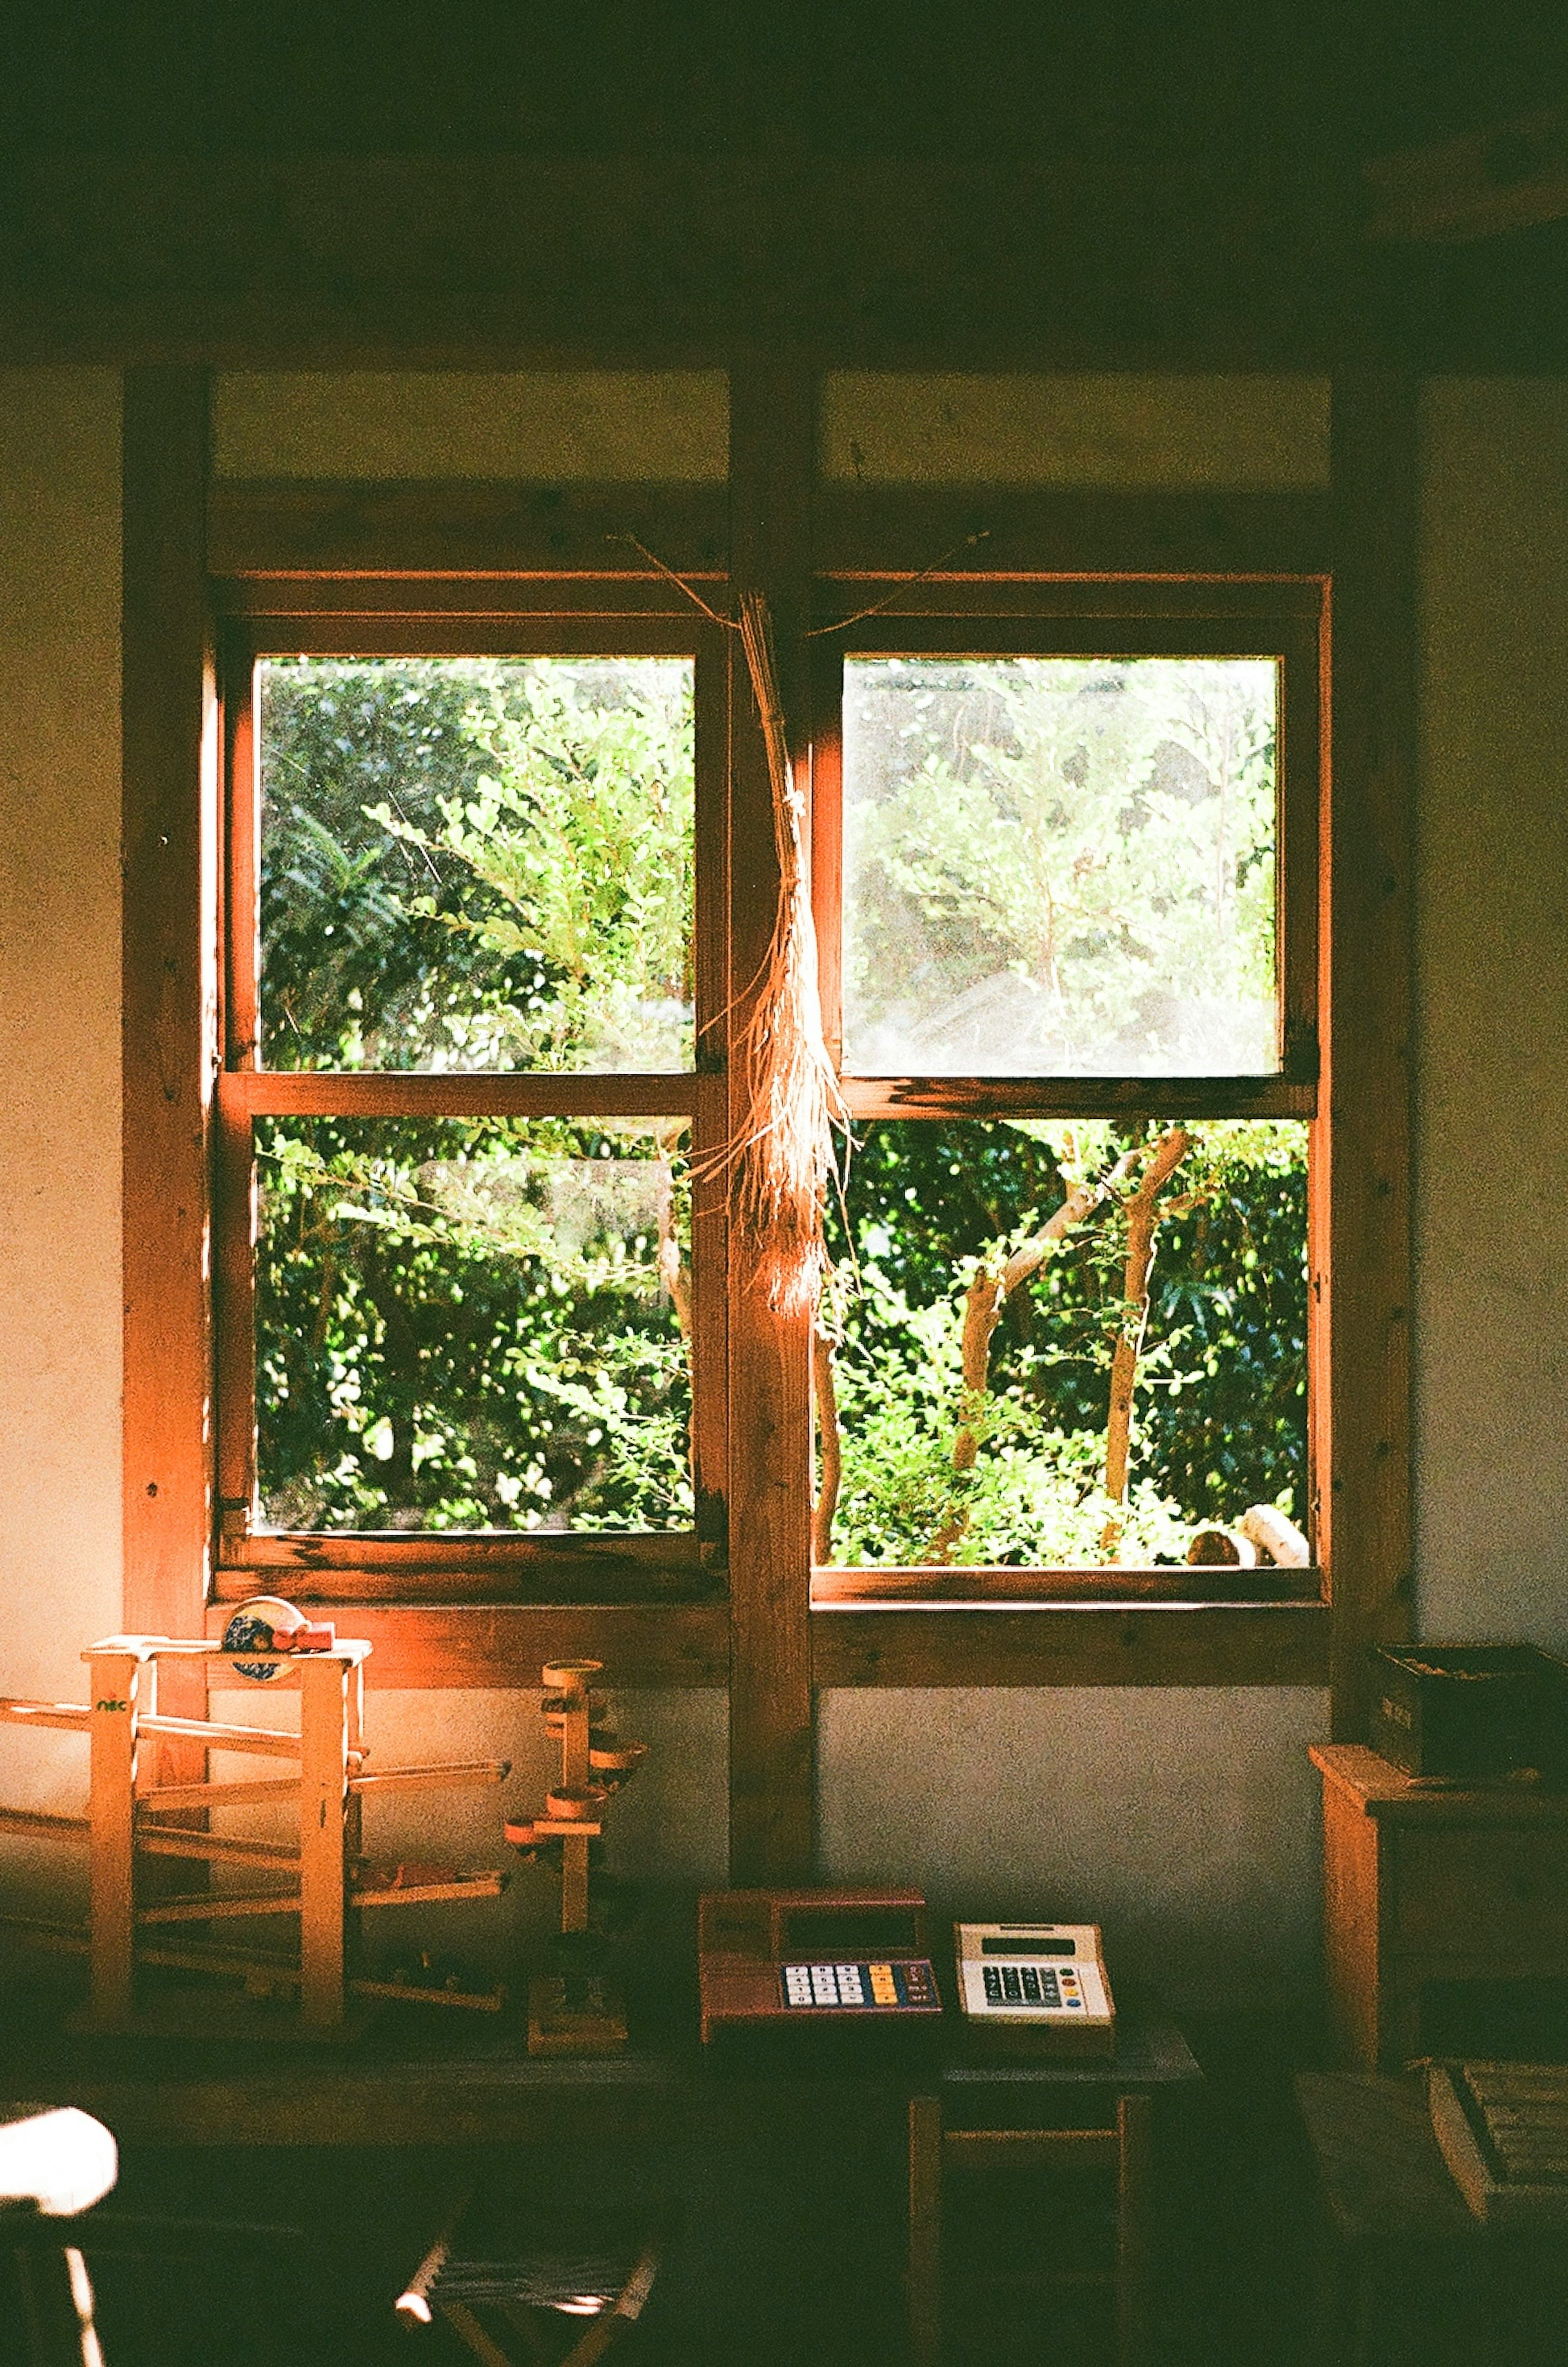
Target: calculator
x,y
905,1984
1038,1982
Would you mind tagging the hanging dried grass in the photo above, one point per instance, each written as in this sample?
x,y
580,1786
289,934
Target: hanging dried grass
x,y
784,1149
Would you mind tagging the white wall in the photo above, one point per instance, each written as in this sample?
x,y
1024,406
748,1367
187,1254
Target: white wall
x,y
1491,1302
60,1520
1185,1819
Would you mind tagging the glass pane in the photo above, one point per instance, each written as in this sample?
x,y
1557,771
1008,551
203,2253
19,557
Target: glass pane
x,y
473,1323
477,863
1060,866
1219,1394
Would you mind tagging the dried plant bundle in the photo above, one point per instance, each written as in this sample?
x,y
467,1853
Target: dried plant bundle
x,y
784,1149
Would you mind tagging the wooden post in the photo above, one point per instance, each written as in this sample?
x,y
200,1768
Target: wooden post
x,y
169,1019
1132,2198
124,1690
925,2230
1360,1220
323,1797
773,465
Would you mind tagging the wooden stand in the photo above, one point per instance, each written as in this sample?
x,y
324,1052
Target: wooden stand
x,y
1427,1882
132,1817
575,2010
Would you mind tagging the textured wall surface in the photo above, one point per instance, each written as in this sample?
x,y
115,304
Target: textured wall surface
x,y
1492,1053
60,1456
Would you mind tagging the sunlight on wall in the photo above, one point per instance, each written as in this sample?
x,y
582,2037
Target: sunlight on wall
x,y
60,1457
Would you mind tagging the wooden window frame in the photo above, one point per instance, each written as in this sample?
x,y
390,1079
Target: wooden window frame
x,y
816,548
428,1567
1284,619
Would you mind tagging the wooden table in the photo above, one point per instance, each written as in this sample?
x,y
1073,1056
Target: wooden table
x,y
1425,1883
1410,2275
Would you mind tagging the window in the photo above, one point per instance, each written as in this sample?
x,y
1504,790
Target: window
x,y
470,1255
1067,889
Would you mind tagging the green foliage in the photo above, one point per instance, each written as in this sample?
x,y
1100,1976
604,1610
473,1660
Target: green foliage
x,y
1059,865
477,863
464,1324
467,1323
1221,1408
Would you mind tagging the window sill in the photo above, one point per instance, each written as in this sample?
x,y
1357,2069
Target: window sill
x,y
419,1646
981,1641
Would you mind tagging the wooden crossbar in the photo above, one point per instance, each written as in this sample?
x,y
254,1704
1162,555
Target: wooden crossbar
x,y
1031,2149
37,1820
218,1849
259,1739
432,1779
71,1716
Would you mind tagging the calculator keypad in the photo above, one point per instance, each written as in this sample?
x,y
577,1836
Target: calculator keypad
x,y
909,1986
1048,1988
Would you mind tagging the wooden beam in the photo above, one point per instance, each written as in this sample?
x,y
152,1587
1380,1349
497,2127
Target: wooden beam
x,y
772,455
506,1644
1359,1223
168,1024
1508,176
1278,1644
260,529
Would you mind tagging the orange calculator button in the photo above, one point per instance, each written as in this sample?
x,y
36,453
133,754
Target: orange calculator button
x,y
884,1989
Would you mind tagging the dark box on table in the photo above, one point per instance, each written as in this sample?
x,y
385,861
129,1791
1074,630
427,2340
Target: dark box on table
x,y
1470,1711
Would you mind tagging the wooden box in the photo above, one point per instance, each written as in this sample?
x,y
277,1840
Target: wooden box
x,y
1470,1712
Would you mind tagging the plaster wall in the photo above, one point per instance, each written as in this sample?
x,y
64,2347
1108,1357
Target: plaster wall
x,y
1490,1304
60,1369
1186,1820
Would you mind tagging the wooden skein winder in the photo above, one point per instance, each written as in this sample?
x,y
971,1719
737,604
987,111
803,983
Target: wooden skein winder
x,y
134,1814
575,2010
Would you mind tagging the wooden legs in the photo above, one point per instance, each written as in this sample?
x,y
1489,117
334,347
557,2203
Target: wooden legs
x,y
323,1798
935,2152
1133,2201
925,2231
125,1690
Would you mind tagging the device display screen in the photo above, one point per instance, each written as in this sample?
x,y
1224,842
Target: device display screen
x,y
1022,1946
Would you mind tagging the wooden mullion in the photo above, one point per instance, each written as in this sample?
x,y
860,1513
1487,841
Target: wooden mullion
x,y
168,717
1075,1097
709,1349
241,872
773,468
1361,1215
827,691
1301,771
234,1183
436,622
453,1093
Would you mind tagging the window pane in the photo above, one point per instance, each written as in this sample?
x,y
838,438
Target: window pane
x,y
473,1323
1218,1400
1060,866
477,863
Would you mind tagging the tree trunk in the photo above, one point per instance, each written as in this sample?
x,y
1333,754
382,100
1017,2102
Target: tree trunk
x,y
1276,1535
988,1295
1143,1217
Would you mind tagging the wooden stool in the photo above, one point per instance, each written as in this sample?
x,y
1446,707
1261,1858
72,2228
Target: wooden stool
x,y
1121,2152
566,2283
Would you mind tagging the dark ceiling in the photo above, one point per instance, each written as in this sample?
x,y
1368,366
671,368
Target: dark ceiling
x,y
1193,164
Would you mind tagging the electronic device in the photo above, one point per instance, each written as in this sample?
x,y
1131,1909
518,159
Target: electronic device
x,y
777,1959
1040,1986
